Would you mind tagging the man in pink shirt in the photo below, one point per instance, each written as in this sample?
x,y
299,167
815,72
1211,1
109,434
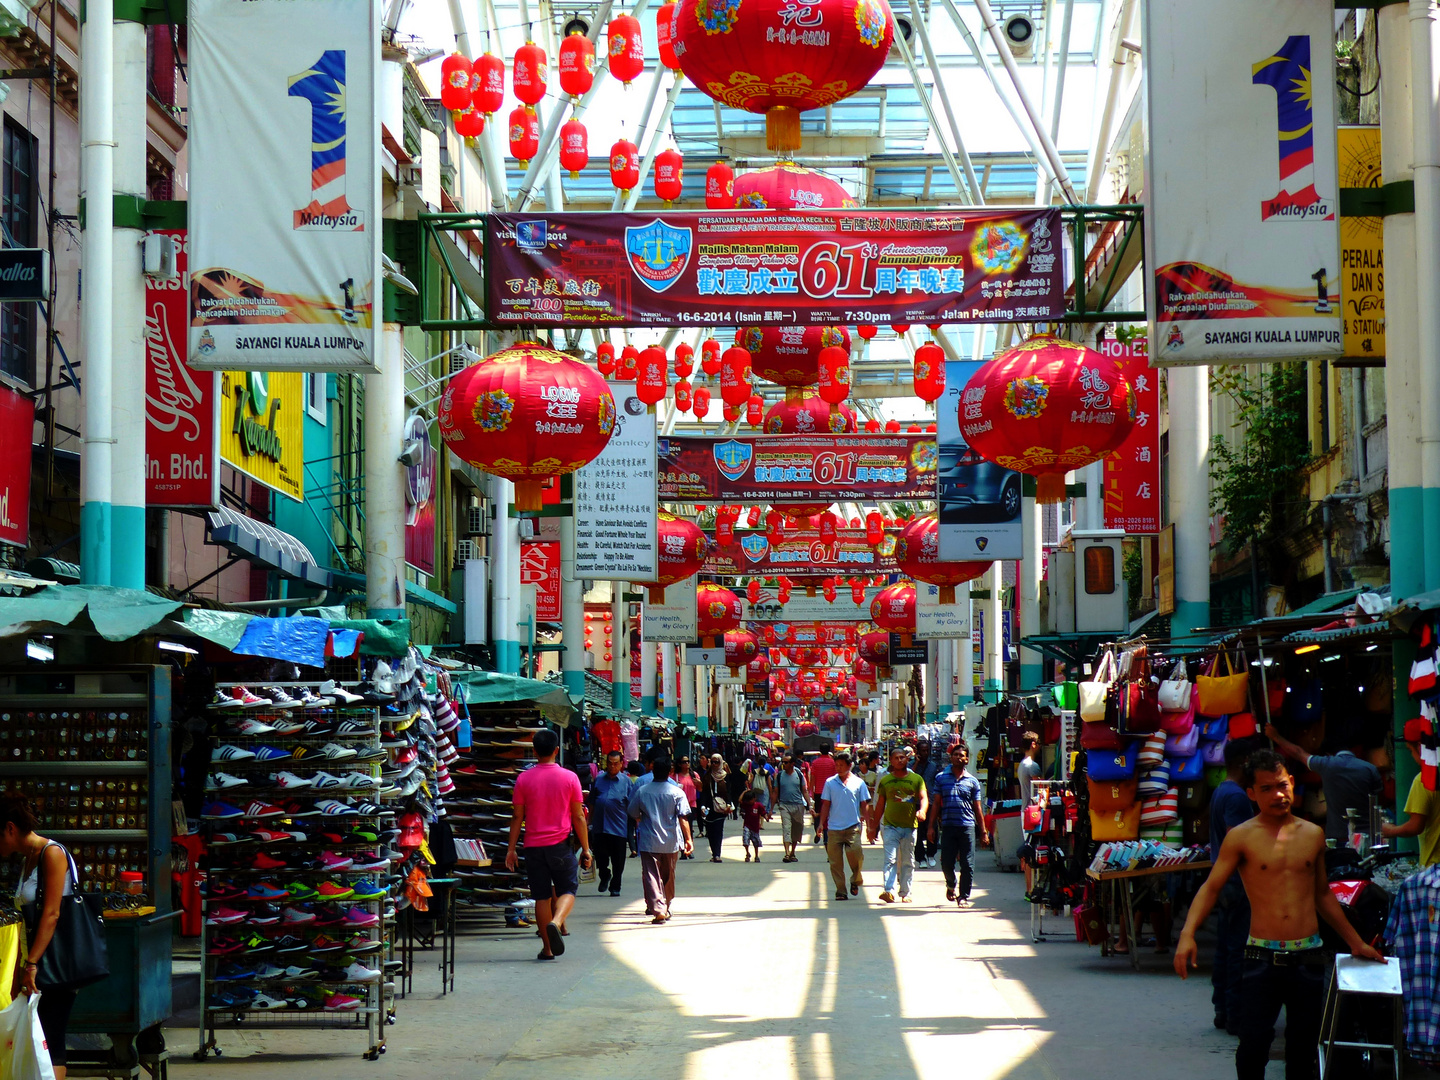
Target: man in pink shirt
x,y
549,804
821,769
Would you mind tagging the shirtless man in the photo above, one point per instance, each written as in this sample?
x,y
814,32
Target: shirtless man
x,y
1281,861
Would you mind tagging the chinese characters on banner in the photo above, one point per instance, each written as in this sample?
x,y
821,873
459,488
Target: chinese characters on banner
x,y
616,508
799,553
17,431
1132,473
774,267
540,566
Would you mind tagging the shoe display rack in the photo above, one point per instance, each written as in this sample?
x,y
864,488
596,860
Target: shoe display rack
x,y
299,918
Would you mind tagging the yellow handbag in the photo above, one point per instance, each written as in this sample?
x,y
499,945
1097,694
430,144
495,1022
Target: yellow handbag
x,y
1115,824
1221,695
1110,795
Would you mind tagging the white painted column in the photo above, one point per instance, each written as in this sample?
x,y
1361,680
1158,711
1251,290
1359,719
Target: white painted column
x,y
572,612
1425,153
966,665
667,674
619,649
945,682
1028,582
702,698
930,680
1190,496
688,683
994,637
648,698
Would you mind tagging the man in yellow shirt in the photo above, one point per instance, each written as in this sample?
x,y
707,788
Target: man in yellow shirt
x,y
1422,804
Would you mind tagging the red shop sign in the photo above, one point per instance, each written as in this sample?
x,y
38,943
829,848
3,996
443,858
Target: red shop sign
x,y
1132,472
17,431
540,566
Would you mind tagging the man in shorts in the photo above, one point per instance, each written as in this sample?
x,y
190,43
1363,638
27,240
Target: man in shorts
x,y
549,804
792,801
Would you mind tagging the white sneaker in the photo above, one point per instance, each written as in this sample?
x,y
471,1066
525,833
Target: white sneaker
x,y
324,781
220,781
335,752
330,688
288,781
358,972
277,695
311,700
356,781
248,725
231,753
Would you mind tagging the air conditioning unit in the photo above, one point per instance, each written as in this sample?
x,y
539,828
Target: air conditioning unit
x,y
475,521
464,551
458,362
1100,593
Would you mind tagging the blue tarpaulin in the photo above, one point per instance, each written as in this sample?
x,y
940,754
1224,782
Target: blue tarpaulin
x,y
297,639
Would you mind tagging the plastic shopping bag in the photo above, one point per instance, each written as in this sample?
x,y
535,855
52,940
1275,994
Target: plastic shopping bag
x,y
23,1054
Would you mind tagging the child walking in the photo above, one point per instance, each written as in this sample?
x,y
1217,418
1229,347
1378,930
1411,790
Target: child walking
x,y
752,810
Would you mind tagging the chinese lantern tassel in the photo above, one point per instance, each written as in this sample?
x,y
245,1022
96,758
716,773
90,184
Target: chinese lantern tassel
x,y
1050,488
527,495
947,594
657,592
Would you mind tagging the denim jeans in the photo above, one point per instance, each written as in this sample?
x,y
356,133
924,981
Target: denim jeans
x,y
1300,988
957,843
1232,927
899,856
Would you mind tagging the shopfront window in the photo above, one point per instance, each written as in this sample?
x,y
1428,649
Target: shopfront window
x,y
17,213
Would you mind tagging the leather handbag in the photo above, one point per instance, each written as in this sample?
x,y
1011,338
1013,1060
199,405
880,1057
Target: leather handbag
x,y
1017,722
1164,810
1139,708
1033,818
1100,737
77,955
1187,769
1174,694
1178,723
1275,694
1242,725
1152,752
1155,782
1113,794
1113,765
1183,745
1214,728
1213,752
1095,692
1193,796
1090,928
1115,824
1223,693
1305,703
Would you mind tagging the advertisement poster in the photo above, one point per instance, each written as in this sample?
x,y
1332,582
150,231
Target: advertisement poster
x,y
1132,473
803,608
832,635
979,501
774,267
1362,247
420,498
182,433
800,553
284,185
540,566
674,620
934,619
616,506
783,469
1246,106
262,428
17,433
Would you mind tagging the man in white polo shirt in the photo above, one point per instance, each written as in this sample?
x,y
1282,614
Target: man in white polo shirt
x,y
842,806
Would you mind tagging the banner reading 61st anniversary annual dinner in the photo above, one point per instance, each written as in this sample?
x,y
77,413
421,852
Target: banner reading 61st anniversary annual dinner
x,y
774,267
284,184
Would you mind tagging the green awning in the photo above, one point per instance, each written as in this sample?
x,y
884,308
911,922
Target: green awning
x,y
116,614
381,638
1328,602
493,688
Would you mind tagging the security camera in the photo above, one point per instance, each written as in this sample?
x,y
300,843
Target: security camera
x,y
412,454
1020,35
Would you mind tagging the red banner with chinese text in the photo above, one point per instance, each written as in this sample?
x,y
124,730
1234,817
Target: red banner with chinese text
x,y
540,566
801,554
1132,473
797,468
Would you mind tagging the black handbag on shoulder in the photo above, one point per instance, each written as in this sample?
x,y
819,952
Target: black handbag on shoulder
x,y
77,955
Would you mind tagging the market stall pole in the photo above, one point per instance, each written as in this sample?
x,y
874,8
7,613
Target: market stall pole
x,y
1123,889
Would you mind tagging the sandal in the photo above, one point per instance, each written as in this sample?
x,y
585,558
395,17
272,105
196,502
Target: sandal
x,y
950,895
542,955
841,896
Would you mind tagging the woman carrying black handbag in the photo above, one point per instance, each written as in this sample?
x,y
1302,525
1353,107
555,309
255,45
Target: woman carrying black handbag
x,y
65,936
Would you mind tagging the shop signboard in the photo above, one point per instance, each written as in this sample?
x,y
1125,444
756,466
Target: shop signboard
x,y
830,634
616,505
702,656
17,433
1246,107
1132,472
978,501
774,267
902,654
803,608
420,498
780,469
262,428
540,567
284,185
935,619
676,619
24,274
800,554
1362,247
182,407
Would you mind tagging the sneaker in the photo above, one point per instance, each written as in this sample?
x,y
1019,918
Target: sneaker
x,y
331,688
357,918
264,915
334,808
221,781
287,725
333,751
301,971
329,915
224,945
265,1001
288,781
295,916
220,839
357,781
362,836
222,700
301,891
369,862
248,725
221,810
247,699
258,809
365,889
224,916
270,753
367,754
325,781
264,890
326,944
222,890
231,753
232,997
309,699
342,1003
359,943
334,890
274,836
278,697
367,809
313,728
234,972
269,971
290,943
358,972
354,727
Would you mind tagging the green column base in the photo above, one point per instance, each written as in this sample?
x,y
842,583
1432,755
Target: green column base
x,y
127,548
1189,615
648,704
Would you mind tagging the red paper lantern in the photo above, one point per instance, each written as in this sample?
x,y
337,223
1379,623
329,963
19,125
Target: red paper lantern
x,y
624,164
752,591
754,410
872,427
900,328
455,72
710,356
830,593
782,592
757,670
918,552
857,592
717,610
790,355
777,698
724,529
487,84
524,134
669,175
682,395
766,63
829,527
808,415
605,358
730,412
574,147
893,609
875,649
929,372
527,413
892,427
650,377
741,646
629,364
833,367
664,31
867,332
719,184
684,360
682,547
469,122
752,516
1047,406
874,529
701,402
626,48
789,187
529,73
577,65
735,376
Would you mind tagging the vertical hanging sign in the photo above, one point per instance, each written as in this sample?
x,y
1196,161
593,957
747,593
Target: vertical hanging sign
x,y
1362,248
616,505
1132,472
17,433
284,184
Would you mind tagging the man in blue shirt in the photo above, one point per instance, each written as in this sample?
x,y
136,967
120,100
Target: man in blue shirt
x,y
842,807
662,815
925,764
955,814
1230,806
610,822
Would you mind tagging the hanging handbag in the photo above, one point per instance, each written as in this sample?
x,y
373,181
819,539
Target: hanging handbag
x,y
1194,796
1275,694
1017,722
1214,728
1049,728
1155,782
1305,703
1221,694
1115,765
1213,752
1115,824
1164,810
1032,818
1422,669
1174,694
77,955
1113,794
1241,725
1183,745
1093,693
1152,752
1186,770
1178,723
1100,737
1139,711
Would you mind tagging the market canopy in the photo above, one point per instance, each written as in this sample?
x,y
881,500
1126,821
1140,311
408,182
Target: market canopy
x,y
116,614
246,538
493,688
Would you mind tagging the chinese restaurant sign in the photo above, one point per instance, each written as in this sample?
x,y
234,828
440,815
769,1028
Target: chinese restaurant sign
x,y
774,267
1132,473
540,566
798,468
800,554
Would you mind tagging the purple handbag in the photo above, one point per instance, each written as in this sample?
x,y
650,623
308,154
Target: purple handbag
x,y
1183,745
1213,752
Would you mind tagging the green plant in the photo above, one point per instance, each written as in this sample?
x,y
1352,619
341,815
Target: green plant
x,y
1133,566
1252,478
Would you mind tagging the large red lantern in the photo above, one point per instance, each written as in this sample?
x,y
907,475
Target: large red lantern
x,y
651,376
875,649
626,48
735,376
717,610
755,410
790,355
574,147
469,122
624,164
929,370
1047,406
455,72
808,415
527,413
700,402
487,84
682,547
664,17
629,364
757,670
529,73
918,552
669,175
524,134
684,361
605,358
577,65
833,368
719,184
893,609
766,62
682,395
789,187
741,647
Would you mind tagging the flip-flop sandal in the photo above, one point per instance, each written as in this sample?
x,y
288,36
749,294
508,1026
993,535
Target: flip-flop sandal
x,y
854,889
544,956
556,939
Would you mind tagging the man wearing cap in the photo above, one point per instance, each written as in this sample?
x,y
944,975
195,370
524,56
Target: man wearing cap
x,y
1422,805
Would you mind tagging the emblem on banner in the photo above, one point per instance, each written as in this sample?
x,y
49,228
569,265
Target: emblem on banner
x,y
755,546
733,458
658,253
531,236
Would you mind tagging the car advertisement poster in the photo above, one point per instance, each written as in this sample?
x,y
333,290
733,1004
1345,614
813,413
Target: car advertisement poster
x,y
284,185
801,554
782,469
1132,472
979,501
1246,105
774,267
